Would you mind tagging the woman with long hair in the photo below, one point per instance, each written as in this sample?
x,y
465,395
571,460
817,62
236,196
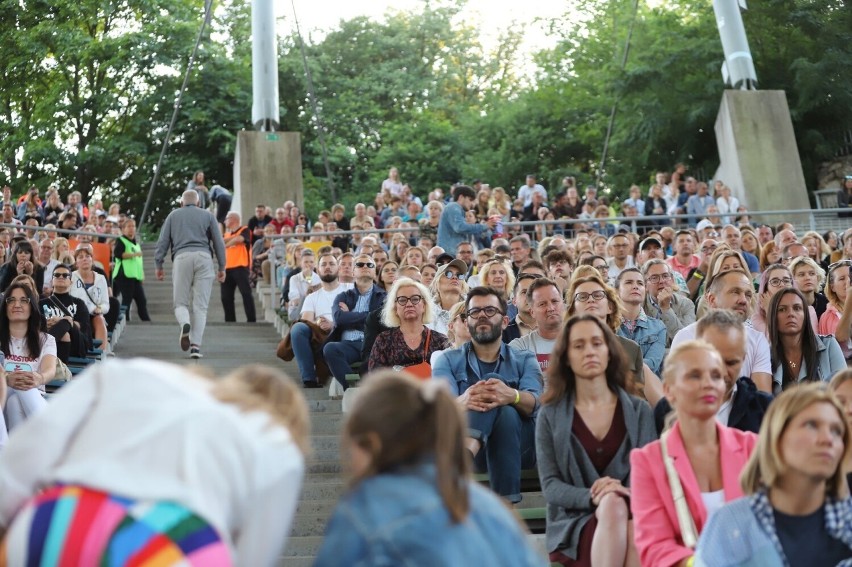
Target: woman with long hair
x,y
818,250
141,462
750,243
836,319
841,385
448,288
769,255
30,355
798,353
388,275
22,261
52,207
501,202
774,279
796,511
585,430
684,478
411,500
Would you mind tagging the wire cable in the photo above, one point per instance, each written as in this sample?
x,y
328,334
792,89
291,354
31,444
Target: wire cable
x,y
208,10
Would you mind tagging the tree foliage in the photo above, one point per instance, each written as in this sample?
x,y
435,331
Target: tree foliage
x,y
89,88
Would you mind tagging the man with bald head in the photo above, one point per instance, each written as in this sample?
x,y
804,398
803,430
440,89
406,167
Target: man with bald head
x,y
189,232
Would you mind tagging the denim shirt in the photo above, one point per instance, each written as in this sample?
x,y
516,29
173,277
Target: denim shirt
x,y
519,369
453,229
830,359
742,533
650,335
398,518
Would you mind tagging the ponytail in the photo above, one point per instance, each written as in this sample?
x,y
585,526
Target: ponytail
x,y
450,455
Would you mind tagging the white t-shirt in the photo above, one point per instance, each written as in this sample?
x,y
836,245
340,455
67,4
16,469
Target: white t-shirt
x,y
320,302
537,345
757,357
18,360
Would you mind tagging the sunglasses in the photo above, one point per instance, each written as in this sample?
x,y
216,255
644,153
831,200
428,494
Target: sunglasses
x,y
454,275
62,276
365,265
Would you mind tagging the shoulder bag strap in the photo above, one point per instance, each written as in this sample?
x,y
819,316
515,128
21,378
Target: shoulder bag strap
x,y
688,532
426,348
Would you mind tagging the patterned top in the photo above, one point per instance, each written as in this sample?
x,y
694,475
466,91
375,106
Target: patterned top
x,y
390,349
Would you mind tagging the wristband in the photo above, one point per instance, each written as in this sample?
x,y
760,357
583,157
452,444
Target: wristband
x,y
517,398
697,275
690,562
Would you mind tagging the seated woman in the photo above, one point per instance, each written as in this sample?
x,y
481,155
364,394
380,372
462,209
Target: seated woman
x,y
412,501
774,279
797,508
798,353
682,479
448,288
91,287
810,279
30,355
841,385
588,294
67,317
22,261
137,449
408,342
586,428
837,319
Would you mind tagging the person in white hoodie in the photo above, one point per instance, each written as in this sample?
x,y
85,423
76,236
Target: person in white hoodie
x,y
138,459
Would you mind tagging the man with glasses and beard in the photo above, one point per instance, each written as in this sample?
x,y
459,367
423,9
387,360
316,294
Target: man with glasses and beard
x,y
349,311
66,316
499,386
316,321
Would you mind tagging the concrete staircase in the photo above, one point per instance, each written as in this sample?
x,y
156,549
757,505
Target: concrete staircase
x,y
228,346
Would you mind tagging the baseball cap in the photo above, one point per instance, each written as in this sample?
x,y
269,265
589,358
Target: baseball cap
x,y
704,224
650,240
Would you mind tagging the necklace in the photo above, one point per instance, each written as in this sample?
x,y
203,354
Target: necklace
x,y
792,364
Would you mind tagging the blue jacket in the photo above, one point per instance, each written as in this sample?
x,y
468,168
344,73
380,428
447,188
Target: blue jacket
x,y
345,320
453,229
519,369
742,533
650,335
398,519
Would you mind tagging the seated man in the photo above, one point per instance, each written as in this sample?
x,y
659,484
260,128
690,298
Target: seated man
x,y
664,301
744,405
647,332
499,386
349,311
548,309
316,310
67,317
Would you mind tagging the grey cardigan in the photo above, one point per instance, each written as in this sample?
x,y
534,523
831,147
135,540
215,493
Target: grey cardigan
x,y
566,472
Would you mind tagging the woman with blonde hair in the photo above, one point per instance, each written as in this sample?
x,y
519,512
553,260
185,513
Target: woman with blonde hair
x,y
810,279
796,511
448,288
750,243
818,250
841,385
414,256
152,457
501,202
408,341
411,500
836,319
497,273
684,478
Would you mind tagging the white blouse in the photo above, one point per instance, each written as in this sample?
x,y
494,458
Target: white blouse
x,y
96,296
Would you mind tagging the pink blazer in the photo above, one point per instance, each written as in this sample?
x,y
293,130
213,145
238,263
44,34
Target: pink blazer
x,y
655,524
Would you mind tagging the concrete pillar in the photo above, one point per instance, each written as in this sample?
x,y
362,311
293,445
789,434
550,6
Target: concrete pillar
x,y
758,156
267,170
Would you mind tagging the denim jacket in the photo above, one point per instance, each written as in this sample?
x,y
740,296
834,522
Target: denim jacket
x,y
829,355
519,369
397,518
650,335
742,533
453,229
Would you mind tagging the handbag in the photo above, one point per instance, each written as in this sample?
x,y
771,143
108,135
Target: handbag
x,y
688,532
318,336
422,370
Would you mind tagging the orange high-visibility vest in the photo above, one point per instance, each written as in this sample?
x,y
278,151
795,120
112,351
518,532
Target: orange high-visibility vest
x,y
237,256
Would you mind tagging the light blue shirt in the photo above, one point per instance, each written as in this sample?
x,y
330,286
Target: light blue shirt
x,y
360,307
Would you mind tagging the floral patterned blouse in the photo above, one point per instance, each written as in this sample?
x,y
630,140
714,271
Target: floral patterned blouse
x,y
390,349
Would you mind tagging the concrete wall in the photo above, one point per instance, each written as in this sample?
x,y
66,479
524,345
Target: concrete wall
x,y
268,170
757,151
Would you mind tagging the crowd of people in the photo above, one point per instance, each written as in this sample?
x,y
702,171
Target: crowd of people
x,y
573,346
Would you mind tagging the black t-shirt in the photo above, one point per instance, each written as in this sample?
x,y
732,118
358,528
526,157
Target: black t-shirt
x,y
805,540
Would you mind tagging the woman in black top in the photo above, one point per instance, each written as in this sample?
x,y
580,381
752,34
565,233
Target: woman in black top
x,y
22,261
